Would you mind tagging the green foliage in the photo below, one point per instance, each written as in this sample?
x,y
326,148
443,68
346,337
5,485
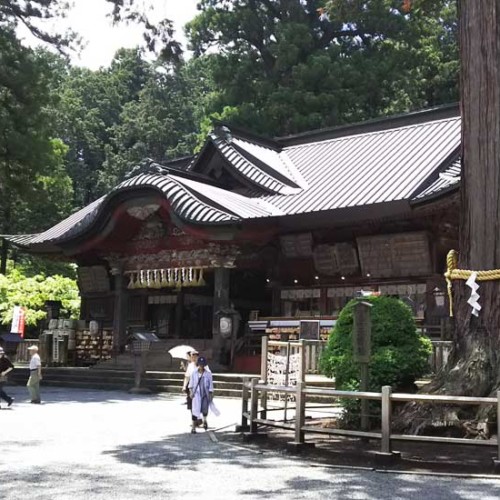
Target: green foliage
x,y
32,292
285,71
158,124
399,353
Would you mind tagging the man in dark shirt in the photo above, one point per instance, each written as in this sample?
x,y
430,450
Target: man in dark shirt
x,y
5,367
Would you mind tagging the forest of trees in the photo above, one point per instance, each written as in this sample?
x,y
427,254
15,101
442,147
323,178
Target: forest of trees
x,y
69,134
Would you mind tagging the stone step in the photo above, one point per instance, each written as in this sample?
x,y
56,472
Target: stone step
x,y
225,384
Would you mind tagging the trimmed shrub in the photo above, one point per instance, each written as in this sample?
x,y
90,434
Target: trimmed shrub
x,y
399,354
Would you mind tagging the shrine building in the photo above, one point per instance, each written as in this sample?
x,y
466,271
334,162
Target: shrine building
x,y
268,232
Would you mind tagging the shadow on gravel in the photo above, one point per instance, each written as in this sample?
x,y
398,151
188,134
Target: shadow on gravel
x,y
76,483
416,457
369,486
51,395
187,451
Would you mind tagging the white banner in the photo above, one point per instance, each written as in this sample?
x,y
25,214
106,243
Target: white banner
x,y
17,325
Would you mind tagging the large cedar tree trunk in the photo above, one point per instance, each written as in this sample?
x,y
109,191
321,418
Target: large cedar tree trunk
x,y
474,367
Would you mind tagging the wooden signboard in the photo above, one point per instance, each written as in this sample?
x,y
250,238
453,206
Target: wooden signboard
x,y
325,261
297,245
340,258
347,258
361,334
309,330
395,255
93,279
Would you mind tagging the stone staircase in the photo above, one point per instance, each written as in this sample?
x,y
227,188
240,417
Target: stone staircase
x,y
225,384
158,357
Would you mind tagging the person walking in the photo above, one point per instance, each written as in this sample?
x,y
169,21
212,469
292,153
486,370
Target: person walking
x,y
191,368
5,368
33,384
201,391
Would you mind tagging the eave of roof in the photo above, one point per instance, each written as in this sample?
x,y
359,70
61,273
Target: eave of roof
x,y
373,125
356,166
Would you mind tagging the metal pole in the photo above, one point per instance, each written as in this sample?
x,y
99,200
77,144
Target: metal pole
x,y
385,446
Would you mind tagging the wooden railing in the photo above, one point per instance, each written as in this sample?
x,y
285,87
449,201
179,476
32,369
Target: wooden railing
x,y
254,390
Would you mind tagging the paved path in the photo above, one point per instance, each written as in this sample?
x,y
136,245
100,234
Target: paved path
x,y
84,444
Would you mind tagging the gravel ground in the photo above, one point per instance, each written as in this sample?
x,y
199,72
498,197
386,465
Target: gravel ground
x,y
84,444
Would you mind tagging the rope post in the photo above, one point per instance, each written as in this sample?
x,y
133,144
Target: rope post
x,y
263,374
244,407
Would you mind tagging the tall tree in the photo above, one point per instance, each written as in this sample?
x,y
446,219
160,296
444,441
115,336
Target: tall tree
x,y
283,67
474,365
25,146
90,106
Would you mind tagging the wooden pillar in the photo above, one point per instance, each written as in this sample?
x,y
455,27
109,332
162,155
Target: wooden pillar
x,y
221,301
120,311
179,310
276,300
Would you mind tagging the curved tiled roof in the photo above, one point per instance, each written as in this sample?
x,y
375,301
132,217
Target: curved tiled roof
x,y
371,168
448,179
399,161
192,201
275,184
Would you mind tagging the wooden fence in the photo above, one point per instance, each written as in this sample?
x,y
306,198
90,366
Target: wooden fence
x,y
441,350
312,352
255,390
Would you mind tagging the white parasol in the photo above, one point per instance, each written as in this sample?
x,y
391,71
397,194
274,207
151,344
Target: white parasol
x,y
181,351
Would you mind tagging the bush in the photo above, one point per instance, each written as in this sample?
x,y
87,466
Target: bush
x,y
32,292
399,353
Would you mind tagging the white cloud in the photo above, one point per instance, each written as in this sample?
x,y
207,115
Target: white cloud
x,y
89,18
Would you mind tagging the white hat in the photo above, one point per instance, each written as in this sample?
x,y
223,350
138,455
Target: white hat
x,y
32,348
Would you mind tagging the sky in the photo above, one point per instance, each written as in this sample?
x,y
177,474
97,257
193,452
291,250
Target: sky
x,y
102,39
